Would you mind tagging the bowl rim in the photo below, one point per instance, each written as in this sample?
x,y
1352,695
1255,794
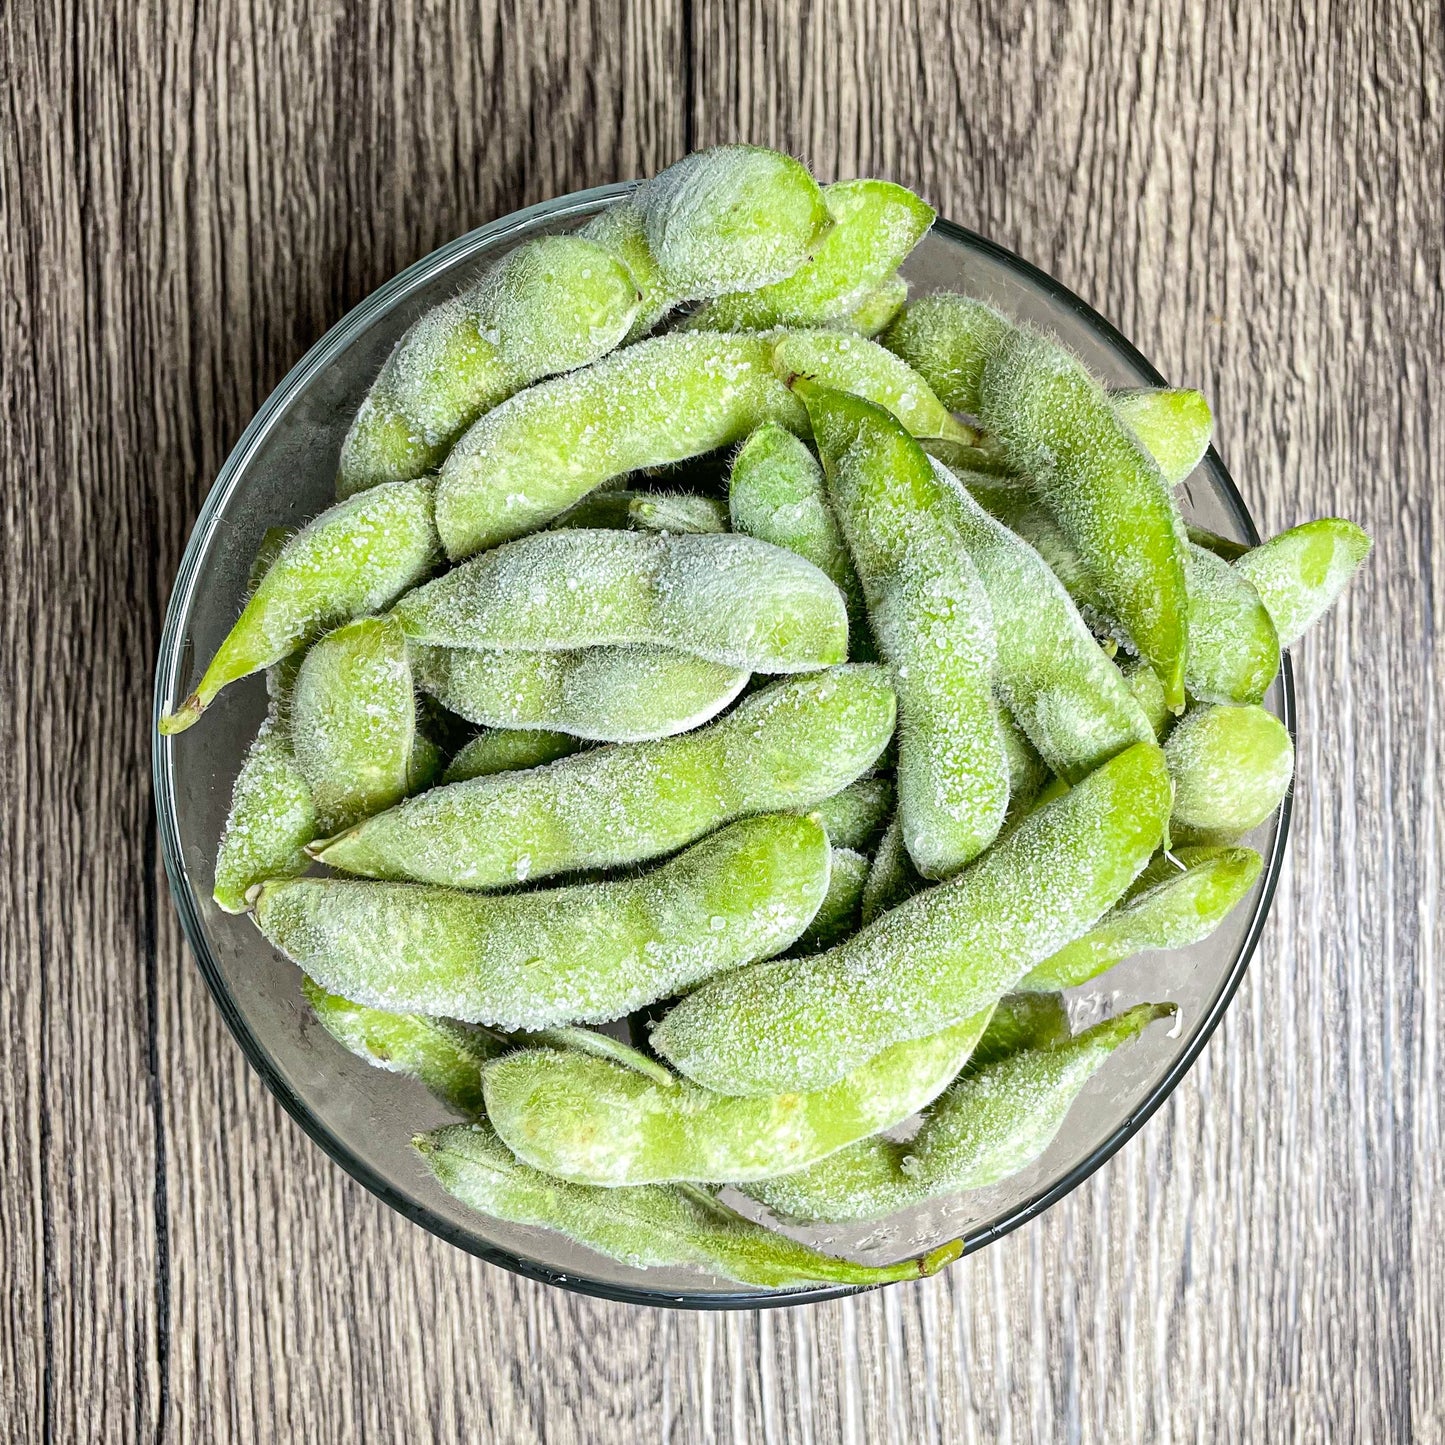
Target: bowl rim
x,y
171,657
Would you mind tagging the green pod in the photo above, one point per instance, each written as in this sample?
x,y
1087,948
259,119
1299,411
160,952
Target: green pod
x,y
1022,1020
607,694
875,225
947,338
931,618
596,1122
1175,424
353,723
788,746
845,362
1300,573
777,493
446,1057
1067,696
589,952
650,1225
677,512
935,959
1056,425
879,309
663,400
892,878
504,750
1148,692
356,557
550,305
837,914
1233,647
1231,768
563,591
1225,547
856,816
1027,771
619,231
989,1125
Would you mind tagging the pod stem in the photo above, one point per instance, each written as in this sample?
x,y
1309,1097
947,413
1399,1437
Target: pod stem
x,y
186,715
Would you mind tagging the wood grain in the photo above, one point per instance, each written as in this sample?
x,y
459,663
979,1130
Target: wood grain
x,y
191,195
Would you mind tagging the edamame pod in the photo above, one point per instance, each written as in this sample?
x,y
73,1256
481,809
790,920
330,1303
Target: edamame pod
x,y
1148,692
930,616
585,953
947,338
1068,697
837,915
1021,1021
663,400
1056,425
1233,647
1179,899
446,1057
891,876
596,1122
875,225
727,599
856,816
1300,573
1225,547
353,723
608,694
678,512
1231,768
788,746
1027,771
935,959
550,305
777,493
356,557
503,750
880,308
648,1225
989,1125
1174,423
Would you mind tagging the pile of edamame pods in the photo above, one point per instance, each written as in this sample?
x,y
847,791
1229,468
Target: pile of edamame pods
x,y
707,636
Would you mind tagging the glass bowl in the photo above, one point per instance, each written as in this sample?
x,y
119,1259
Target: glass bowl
x,y
282,471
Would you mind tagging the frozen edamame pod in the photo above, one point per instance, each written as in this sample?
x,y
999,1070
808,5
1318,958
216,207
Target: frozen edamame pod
x,y
678,512
648,1225
356,557
988,1125
777,493
608,694
875,225
1056,425
935,959
1174,423
1148,692
837,915
931,618
856,816
446,1057
1179,899
788,746
550,305
853,364
1300,573
503,750
588,953
1233,647
947,338
891,876
879,309
726,598
1231,768
595,1122
1027,771
1225,547
1021,1021
1067,696
353,723
663,400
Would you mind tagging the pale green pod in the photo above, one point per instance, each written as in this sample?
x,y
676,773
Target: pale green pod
x,y
875,225
856,816
620,232
596,1122
1067,696
550,305
1148,692
989,1125
1022,1020
648,1225
272,818
1231,768
1056,425
587,953
1175,424
504,750
571,1037
1225,547
788,746
837,914
728,599
1027,771
663,400
880,308
1300,573
1233,647
930,616
947,338
935,959
356,557
607,694
853,364
1180,899
445,1056
892,878
353,723
777,493
678,512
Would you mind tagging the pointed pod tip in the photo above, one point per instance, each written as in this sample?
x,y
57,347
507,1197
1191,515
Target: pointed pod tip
x,y
187,714
936,1259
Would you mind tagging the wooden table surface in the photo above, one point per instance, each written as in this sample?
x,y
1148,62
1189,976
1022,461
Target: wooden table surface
x,y
191,194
